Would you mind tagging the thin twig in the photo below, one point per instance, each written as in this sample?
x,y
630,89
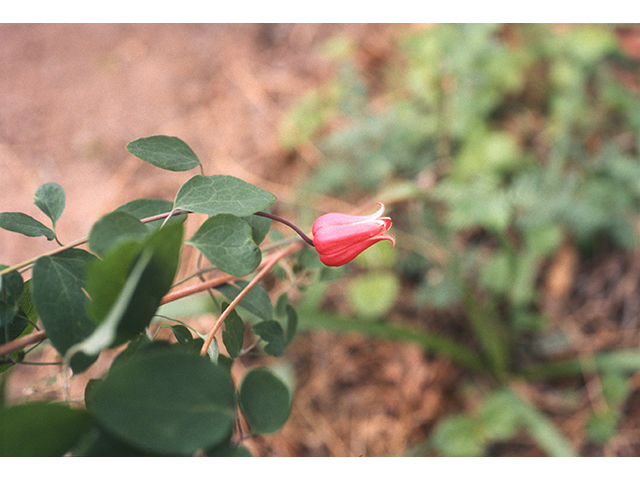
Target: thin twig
x,y
40,335
80,241
270,263
200,287
27,263
22,342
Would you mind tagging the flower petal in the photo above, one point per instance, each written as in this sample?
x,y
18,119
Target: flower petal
x,y
344,219
347,254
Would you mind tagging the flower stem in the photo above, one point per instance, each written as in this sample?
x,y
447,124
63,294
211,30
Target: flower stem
x,y
268,265
289,224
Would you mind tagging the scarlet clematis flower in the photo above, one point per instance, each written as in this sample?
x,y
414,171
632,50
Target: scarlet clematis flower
x,y
339,238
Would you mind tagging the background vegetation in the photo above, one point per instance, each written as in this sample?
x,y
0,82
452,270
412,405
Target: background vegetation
x,y
508,155
505,320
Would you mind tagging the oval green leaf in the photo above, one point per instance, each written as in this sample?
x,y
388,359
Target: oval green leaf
x,y
233,334
107,332
222,194
169,153
265,401
50,199
373,295
260,226
127,285
271,332
459,436
165,401
57,284
22,223
113,229
13,320
256,302
142,208
11,286
40,430
227,242
16,318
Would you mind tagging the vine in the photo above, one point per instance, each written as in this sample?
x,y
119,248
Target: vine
x,y
159,397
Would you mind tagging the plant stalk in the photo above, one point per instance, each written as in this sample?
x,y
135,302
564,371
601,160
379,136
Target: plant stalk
x,y
269,264
289,224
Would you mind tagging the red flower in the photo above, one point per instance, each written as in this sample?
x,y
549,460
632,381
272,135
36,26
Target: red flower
x,y
339,238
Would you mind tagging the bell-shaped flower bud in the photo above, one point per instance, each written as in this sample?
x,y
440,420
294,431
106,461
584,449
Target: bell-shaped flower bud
x,y
339,238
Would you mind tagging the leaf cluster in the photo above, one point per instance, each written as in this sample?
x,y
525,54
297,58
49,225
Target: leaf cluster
x,y
158,398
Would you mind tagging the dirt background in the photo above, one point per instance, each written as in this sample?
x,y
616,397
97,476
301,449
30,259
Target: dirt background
x,y
73,96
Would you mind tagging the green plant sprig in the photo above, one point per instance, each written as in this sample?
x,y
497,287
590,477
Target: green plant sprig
x,y
22,266
104,296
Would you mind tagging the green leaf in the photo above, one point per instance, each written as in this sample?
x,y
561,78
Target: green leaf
x,y
213,351
142,208
11,286
187,307
542,429
227,242
292,324
26,303
434,343
106,278
602,426
50,199
233,334
497,274
257,301
491,333
286,312
459,436
182,334
499,416
260,226
15,313
619,361
615,389
133,348
127,285
165,401
99,443
603,423
265,401
113,229
7,315
184,338
222,194
169,153
22,223
373,295
106,334
57,284
271,332
40,430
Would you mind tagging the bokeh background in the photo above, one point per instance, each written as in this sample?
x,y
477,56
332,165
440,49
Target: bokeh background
x,y
505,321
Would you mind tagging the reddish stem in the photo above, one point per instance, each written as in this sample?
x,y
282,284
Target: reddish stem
x,y
289,224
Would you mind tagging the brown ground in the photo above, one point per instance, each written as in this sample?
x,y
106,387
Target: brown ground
x,y
72,97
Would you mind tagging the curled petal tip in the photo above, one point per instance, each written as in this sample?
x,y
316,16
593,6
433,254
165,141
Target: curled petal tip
x,y
391,238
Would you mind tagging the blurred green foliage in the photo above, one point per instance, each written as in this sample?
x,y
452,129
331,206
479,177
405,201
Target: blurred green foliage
x,y
492,145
